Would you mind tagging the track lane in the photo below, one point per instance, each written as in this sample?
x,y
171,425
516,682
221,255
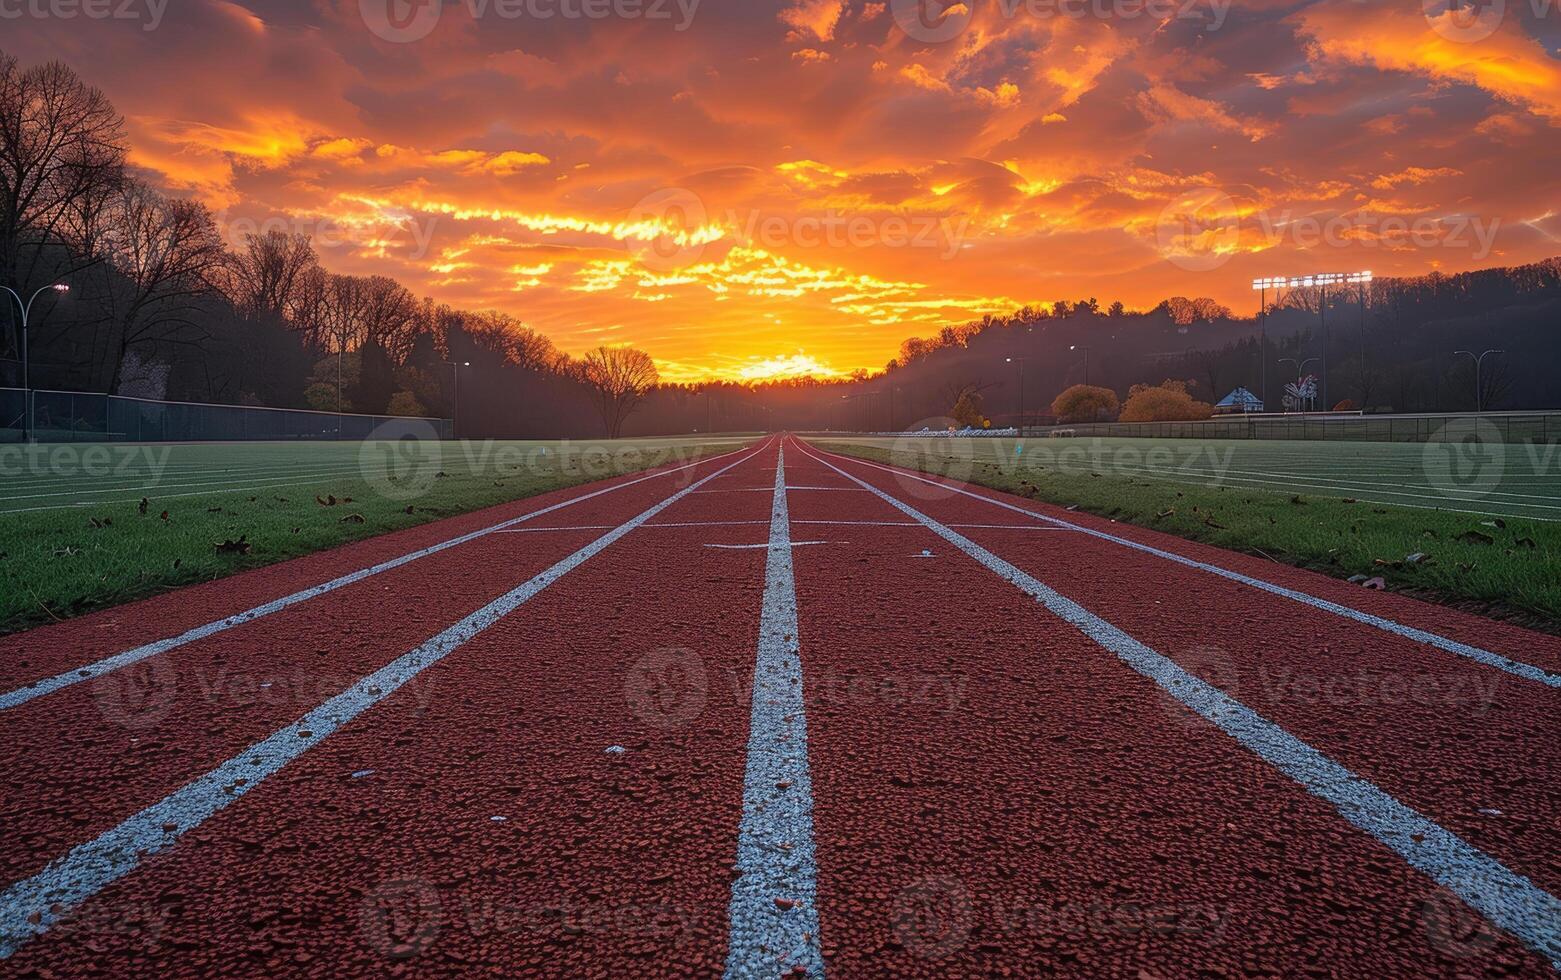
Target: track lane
x,y
353,702
48,658
953,500
1381,704
1120,762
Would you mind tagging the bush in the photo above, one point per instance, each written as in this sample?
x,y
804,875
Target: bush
x,y
404,403
1086,403
1169,402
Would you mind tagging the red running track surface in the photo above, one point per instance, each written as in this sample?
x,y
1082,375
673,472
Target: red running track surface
x,y
993,792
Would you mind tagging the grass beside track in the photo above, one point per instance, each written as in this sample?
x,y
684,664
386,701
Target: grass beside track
x,y
74,538
1499,565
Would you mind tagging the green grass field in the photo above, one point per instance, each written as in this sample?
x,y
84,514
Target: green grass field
x,y
74,536
1486,519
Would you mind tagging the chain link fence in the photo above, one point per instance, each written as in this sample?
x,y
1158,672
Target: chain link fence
x,y
1513,427
68,416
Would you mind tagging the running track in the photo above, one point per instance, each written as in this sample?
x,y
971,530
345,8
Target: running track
x,y
780,712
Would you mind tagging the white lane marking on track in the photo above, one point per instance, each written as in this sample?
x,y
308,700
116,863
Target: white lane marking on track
x,y
1515,667
775,859
49,685
598,527
741,547
1503,896
49,895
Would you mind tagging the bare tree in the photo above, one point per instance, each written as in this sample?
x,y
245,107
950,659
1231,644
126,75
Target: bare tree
x,y
62,145
165,251
390,315
622,376
514,341
267,275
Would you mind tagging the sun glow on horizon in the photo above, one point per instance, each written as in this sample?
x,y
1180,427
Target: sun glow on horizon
x,y
798,365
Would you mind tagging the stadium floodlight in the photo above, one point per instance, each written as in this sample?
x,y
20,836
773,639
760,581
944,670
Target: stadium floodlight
x,y
1322,281
27,393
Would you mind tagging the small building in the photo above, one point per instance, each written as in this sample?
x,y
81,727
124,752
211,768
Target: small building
x,y
1239,401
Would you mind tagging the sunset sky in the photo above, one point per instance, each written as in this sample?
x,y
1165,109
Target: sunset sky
x,y
746,187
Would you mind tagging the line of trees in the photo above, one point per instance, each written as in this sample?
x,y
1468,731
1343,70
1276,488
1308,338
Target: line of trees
x,y
160,306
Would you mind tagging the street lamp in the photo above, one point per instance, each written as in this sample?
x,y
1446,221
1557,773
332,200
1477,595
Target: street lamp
x,y
1263,286
1479,390
1322,281
455,399
27,394
1020,361
1086,360
1300,369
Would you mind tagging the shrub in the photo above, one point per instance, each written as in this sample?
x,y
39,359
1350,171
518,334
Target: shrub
x,y
1086,403
1169,402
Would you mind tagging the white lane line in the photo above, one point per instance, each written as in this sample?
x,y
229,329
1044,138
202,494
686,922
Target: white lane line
x,y
741,547
1503,896
773,914
1514,667
49,685
29,907
598,527
343,470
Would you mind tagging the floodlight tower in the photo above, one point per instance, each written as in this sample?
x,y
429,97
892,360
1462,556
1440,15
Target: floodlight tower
x,y
1263,286
1322,282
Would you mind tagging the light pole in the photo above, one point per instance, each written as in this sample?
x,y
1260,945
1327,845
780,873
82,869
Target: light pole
x,y
1322,282
27,388
1086,360
1300,369
1263,286
455,397
1020,361
1479,361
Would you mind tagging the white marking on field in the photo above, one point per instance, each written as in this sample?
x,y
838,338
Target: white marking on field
x,y
49,685
773,913
1506,898
30,906
793,544
1486,657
